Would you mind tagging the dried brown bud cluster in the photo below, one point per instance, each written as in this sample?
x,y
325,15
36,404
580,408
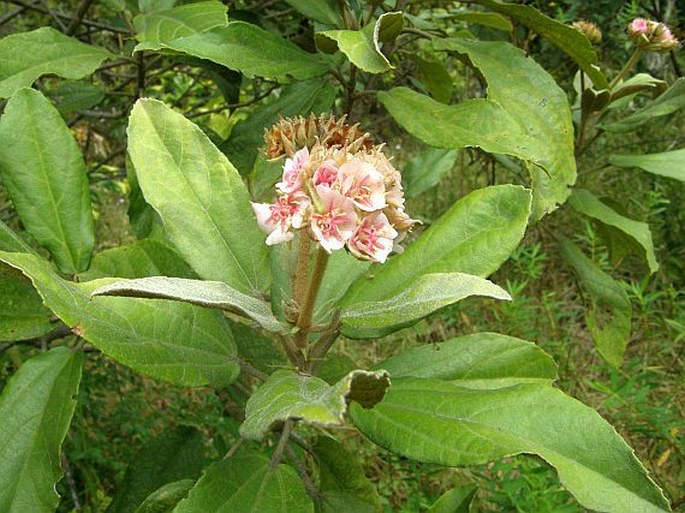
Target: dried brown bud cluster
x,y
289,135
590,30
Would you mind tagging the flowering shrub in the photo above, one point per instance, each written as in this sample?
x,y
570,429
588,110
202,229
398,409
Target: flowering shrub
x,y
247,296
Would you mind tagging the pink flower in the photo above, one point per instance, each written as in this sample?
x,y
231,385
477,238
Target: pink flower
x,y
363,184
278,219
638,27
292,171
336,221
373,238
326,174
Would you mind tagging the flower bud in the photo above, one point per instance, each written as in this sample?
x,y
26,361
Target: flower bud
x,y
590,30
651,36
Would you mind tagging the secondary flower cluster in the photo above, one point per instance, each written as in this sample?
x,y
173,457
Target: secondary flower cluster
x,y
651,36
590,30
336,188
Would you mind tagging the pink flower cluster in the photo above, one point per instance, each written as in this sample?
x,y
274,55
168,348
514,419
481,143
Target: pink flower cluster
x,y
340,199
652,36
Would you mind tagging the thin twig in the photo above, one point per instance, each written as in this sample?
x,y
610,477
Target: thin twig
x,y
249,369
57,15
301,470
234,105
71,483
78,17
234,448
282,443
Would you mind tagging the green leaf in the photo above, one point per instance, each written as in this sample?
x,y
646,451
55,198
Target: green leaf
x,y
323,11
253,51
481,360
425,171
43,170
487,19
669,163
10,241
259,350
342,482
153,29
585,202
388,27
456,500
28,55
423,296
287,395
199,196
148,257
210,294
22,314
535,126
608,319
155,5
174,455
301,98
566,38
72,96
247,483
474,237
669,102
637,83
35,412
361,47
436,78
438,422
165,498
183,344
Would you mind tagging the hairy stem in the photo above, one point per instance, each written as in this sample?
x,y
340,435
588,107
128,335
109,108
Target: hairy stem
x,y
629,65
304,319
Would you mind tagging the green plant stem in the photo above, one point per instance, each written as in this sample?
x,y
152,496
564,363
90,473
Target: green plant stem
x,y
631,62
304,318
325,342
302,269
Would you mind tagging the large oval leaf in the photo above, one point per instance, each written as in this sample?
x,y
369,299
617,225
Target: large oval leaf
x,y
25,57
211,294
184,344
482,360
35,412
247,483
43,170
434,421
425,295
199,196
525,115
475,237
253,51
